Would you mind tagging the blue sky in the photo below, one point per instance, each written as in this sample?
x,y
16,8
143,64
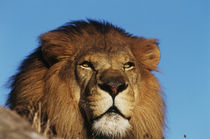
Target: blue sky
x,y
183,30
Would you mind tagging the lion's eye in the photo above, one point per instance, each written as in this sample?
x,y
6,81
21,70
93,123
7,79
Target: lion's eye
x,y
128,66
86,65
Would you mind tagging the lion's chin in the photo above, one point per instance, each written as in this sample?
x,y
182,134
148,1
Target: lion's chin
x,y
111,125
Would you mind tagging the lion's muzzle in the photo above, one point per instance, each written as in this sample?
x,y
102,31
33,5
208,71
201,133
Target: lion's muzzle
x,y
109,105
113,83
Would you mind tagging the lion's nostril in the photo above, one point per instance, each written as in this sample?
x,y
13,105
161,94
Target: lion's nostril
x,y
105,87
122,87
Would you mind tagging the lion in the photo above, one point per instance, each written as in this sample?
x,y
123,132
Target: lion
x,y
93,80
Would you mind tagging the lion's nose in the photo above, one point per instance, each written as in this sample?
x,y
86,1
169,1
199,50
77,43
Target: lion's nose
x,y
112,81
113,87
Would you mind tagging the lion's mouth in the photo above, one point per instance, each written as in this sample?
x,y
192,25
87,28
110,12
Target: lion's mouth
x,y
114,110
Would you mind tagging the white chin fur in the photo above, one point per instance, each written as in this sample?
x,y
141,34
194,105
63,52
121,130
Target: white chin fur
x,y
112,125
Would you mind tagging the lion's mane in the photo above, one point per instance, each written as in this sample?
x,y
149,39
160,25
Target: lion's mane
x,y
47,76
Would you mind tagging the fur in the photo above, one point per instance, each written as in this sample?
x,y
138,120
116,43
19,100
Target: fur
x,y
50,76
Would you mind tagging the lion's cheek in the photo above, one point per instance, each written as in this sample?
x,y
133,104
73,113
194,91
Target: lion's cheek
x,y
73,92
100,103
125,103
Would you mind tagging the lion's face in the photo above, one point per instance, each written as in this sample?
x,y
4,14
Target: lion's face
x,y
109,82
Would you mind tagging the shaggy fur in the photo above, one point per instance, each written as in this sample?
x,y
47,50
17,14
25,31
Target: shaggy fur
x,y
52,76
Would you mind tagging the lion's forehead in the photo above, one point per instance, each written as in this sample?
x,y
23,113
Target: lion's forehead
x,y
113,56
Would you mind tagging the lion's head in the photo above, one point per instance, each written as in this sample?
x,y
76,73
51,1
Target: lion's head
x,y
93,80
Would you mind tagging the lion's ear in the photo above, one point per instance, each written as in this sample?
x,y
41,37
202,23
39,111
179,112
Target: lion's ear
x,y
55,46
147,52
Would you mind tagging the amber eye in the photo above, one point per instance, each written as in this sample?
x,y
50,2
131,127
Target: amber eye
x,y
128,66
86,65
